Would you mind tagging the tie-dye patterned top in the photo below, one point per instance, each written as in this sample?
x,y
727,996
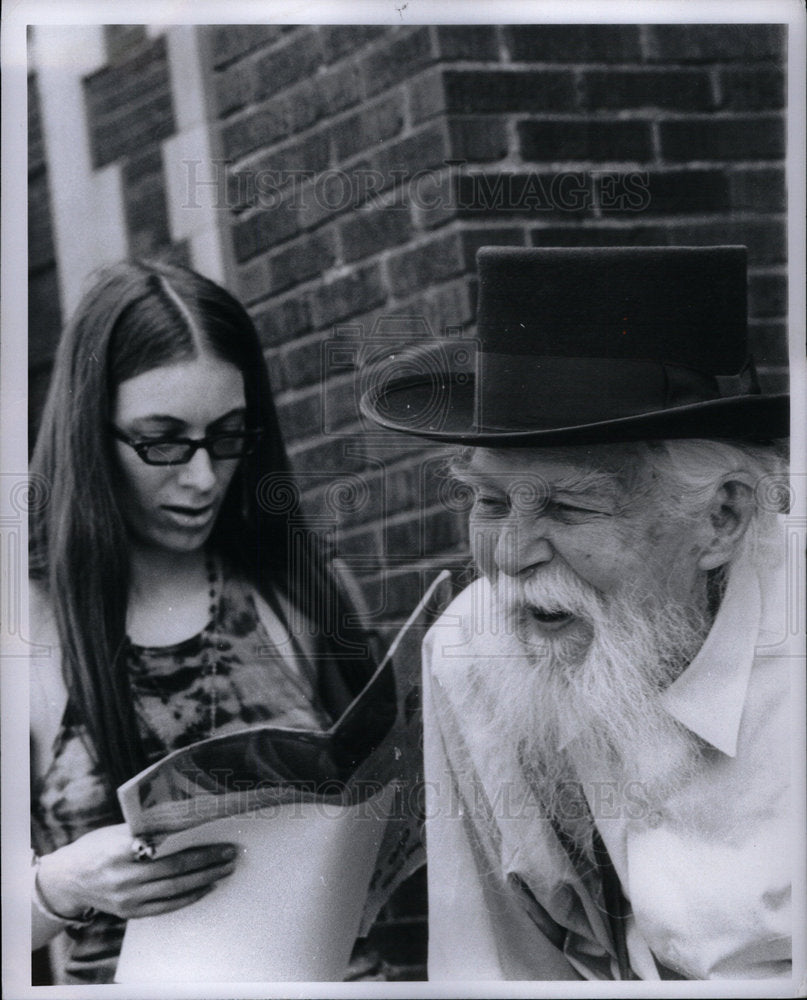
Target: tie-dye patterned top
x,y
178,699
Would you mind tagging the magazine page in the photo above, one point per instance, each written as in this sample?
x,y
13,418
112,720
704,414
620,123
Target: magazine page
x,y
341,846
290,910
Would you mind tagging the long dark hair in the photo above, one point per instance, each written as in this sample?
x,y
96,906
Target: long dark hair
x,y
139,316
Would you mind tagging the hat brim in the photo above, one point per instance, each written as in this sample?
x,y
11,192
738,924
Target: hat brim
x,y
443,408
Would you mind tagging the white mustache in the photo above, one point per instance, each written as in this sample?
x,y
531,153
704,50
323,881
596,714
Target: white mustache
x,y
554,589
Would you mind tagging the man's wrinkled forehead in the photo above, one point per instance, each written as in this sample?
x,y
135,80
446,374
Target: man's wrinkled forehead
x,y
609,465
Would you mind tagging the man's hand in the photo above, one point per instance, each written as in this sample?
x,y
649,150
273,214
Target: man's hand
x,y
98,871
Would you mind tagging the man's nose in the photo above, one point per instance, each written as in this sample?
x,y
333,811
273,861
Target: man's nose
x,y
199,472
521,545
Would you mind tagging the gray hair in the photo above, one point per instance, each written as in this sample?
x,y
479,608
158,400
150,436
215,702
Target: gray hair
x,y
689,470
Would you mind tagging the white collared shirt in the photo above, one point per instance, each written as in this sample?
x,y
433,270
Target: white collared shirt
x,y
709,894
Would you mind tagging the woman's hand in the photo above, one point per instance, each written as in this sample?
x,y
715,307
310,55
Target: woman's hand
x,y
98,871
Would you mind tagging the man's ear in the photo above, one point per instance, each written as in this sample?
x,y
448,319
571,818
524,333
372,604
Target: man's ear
x,y
726,520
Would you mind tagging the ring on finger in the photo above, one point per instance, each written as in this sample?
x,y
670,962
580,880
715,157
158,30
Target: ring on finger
x,y
141,850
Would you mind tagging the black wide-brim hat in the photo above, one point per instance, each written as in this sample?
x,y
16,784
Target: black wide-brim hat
x,y
587,345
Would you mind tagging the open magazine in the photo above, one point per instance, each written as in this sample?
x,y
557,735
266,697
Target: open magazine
x,y
327,825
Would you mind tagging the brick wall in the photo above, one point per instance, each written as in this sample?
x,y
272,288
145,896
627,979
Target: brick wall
x,y
44,313
129,114
362,166
366,165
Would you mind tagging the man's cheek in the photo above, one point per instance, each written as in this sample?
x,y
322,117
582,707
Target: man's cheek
x,y
483,539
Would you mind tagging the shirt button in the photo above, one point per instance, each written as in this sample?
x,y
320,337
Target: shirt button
x,y
654,820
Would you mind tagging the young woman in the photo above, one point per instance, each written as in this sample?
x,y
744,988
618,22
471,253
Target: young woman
x,y
173,599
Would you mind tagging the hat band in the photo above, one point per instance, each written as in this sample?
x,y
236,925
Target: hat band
x,y
518,391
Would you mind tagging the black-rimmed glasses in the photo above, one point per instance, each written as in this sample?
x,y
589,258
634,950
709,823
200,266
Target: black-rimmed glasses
x,y
179,451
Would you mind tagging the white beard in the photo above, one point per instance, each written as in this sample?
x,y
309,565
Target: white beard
x,y
567,710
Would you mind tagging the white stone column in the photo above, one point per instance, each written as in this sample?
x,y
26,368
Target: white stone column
x,y
89,225
194,177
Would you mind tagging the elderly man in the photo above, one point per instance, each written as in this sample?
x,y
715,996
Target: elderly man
x,y
607,708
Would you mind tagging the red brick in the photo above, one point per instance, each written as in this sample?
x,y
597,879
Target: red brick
x,y
683,89
295,364
424,534
253,280
299,417
304,258
146,216
44,315
401,590
418,268
416,153
304,105
145,163
354,543
134,82
296,59
341,87
774,379
233,89
262,230
431,195
767,342
752,88
688,139
368,232
121,39
565,194
282,321
487,91
40,226
426,95
402,56
477,139
627,191
404,538
369,126
347,296
446,307
339,40
759,189
260,127
126,132
328,407
335,454
685,192
714,42
388,447
311,154
767,295
600,235
240,190
230,41
331,193
765,238
467,42
576,139
473,239
575,43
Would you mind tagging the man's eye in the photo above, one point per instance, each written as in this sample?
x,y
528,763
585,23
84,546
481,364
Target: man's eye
x,y
490,505
570,512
